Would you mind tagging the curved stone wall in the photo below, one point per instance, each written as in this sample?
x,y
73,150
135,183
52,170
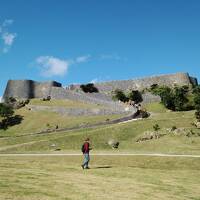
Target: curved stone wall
x,y
19,89
27,89
140,84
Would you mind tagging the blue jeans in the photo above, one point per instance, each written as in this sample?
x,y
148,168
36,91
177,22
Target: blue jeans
x,y
86,160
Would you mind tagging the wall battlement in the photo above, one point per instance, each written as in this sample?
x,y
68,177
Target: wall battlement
x,y
142,83
28,89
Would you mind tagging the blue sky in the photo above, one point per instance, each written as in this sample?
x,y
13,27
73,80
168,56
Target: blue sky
x,y
78,41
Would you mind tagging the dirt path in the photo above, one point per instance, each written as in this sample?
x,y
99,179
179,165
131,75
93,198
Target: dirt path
x,y
101,154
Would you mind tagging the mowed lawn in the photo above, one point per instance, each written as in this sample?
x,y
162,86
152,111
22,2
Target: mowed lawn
x,y
110,177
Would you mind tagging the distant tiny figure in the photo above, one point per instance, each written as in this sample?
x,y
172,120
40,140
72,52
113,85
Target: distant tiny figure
x,y
86,149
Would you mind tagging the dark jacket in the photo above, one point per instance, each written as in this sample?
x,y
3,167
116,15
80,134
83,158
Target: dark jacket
x,y
86,147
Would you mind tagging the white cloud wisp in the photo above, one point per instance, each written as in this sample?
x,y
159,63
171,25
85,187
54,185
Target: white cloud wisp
x,y
82,59
51,66
5,36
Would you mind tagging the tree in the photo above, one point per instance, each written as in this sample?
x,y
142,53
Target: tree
x,y
89,88
180,98
167,97
135,96
119,95
6,112
196,92
175,99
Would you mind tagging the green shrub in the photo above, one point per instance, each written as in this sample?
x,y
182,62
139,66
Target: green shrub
x,y
156,127
89,88
135,96
119,95
174,128
176,99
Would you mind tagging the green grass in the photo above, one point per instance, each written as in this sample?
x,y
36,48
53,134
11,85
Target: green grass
x,y
126,134
122,177
36,121
155,107
110,177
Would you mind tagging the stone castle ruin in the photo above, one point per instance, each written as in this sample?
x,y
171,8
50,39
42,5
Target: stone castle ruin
x,y
143,83
140,84
27,89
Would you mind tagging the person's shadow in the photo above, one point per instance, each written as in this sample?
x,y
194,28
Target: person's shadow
x,y
102,167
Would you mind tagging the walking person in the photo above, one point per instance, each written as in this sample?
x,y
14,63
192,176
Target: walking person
x,y
86,149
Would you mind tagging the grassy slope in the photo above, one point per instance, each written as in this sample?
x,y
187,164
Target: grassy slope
x,y
37,121
126,134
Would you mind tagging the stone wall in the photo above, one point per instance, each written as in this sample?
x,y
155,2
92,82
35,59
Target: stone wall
x,y
27,89
140,84
150,98
78,111
94,98
31,89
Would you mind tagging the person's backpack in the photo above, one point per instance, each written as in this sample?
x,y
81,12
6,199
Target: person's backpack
x,y
83,148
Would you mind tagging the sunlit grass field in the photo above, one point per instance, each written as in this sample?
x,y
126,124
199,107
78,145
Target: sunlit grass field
x,y
110,177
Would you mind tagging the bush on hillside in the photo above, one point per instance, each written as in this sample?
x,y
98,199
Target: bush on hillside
x,y
175,99
196,93
119,95
89,88
180,98
16,103
156,127
6,112
135,96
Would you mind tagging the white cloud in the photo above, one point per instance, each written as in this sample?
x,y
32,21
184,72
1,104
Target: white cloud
x,y
8,38
82,59
52,66
0,99
5,36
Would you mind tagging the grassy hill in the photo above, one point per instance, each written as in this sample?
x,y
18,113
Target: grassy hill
x,y
126,133
41,120
110,177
